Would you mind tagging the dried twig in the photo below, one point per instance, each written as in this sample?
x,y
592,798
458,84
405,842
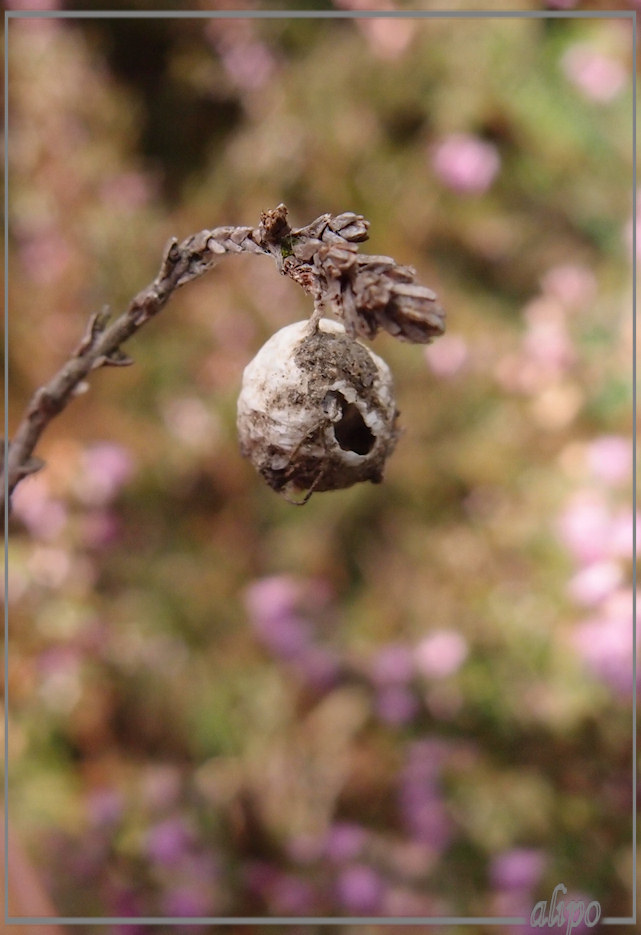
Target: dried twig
x,y
367,292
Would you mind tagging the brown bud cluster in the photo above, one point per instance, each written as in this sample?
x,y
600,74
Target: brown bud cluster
x,y
368,293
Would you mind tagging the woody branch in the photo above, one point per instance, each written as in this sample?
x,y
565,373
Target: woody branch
x,y
367,292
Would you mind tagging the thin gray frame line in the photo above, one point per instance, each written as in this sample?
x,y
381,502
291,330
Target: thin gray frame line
x,y
5,455
634,463
320,14
260,920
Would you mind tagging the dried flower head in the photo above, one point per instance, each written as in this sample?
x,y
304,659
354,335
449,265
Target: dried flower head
x,y
368,293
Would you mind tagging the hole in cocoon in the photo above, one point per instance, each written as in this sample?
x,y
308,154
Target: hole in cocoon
x,y
351,432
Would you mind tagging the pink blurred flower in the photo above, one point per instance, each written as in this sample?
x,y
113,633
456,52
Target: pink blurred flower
x,y
161,787
595,582
33,505
60,678
621,528
599,77
546,341
360,889
610,458
584,525
447,356
105,469
45,256
100,528
572,284
520,868
604,643
127,191
465,163
441,653
592,531
387,38
248,62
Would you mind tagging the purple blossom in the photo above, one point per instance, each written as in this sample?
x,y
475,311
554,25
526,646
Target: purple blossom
x,y
359,889
320,667
420,800
465,163
392,664
259,877
520,868
287,636
186,900
168,841
249,63
396,704
344,841
127,904
100,529
441,653
104,807
271,605
290,895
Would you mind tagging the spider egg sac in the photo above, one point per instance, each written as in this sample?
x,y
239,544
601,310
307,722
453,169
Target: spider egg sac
x,y
316,410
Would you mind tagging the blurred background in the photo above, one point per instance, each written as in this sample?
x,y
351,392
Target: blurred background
x,y
411,699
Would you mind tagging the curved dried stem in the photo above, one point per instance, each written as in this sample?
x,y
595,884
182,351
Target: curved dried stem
x,y
367,292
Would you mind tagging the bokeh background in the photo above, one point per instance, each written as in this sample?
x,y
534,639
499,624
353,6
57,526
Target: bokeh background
x,y
411,699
